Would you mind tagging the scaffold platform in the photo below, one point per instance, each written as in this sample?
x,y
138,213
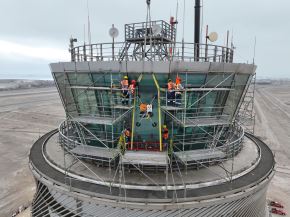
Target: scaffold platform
x,y
145,158
104,154
194,156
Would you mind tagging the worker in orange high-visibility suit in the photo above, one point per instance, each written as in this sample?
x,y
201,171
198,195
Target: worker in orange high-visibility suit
x,y
125,88
132,88
178,91
170,92
165,136
143,109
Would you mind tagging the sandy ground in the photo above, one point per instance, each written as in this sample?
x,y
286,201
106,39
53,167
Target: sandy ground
x,y
273,126
27,114
24,116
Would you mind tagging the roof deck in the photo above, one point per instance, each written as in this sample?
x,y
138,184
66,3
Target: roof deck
x,y
150,41
178,51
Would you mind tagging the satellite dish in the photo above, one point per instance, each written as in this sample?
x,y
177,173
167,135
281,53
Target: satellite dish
x,y
156,29
213,36
114,32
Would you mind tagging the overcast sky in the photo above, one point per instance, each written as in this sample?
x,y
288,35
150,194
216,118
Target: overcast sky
x,y
34,33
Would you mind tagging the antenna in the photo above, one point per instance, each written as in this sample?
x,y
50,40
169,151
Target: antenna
x,y
113,32
197,29
84,33
89,24
232,39
228,33
255,43
183,21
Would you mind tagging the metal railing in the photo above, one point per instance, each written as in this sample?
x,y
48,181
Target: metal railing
x,y
138,31
230,145
176,52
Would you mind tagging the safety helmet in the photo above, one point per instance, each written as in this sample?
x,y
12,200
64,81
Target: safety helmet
x,y
164,126
169,80
133,81
178,79
125,77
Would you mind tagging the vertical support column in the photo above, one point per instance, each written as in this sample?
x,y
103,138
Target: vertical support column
x,y
133,113
101,51
85,53
71,49
133,121
223,55
215,53
182,48
78,54
91,52
159,112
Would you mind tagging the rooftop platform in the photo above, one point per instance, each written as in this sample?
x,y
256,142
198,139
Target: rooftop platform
x,y
122,51
136,32
254,164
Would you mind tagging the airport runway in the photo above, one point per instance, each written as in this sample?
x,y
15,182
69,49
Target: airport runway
x,y
273,126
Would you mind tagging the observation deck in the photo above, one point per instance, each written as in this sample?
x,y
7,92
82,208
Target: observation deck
x,y
151,41
183,51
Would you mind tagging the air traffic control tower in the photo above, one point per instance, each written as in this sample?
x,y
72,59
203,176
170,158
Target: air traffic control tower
x,y
171,146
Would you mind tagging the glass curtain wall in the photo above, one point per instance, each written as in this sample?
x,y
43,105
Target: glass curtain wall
x,y
97,94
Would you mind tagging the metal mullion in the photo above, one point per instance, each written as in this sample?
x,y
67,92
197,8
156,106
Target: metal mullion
x,y
37,205
44,203
54,205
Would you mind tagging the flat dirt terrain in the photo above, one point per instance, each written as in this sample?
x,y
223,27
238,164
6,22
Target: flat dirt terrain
x,y
27,114
273,126
24,116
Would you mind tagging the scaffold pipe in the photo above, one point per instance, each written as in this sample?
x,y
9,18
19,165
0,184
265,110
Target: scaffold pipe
x,y
159,111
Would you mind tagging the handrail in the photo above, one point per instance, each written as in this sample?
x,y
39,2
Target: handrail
x,y
184,51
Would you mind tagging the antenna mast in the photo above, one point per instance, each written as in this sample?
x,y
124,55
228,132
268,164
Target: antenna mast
x,y
197,29
89,25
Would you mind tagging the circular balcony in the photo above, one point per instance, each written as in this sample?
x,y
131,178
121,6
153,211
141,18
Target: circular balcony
x,y
125,51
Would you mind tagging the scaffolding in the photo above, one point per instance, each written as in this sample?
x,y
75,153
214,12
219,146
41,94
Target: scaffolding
x,y
219,143
247,115
201,116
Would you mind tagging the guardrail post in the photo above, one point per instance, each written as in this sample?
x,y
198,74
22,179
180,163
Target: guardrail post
x,y
101,52
215,53
72,52
232,56
91,52
78,54
227,54
85,53
223,54
206,53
